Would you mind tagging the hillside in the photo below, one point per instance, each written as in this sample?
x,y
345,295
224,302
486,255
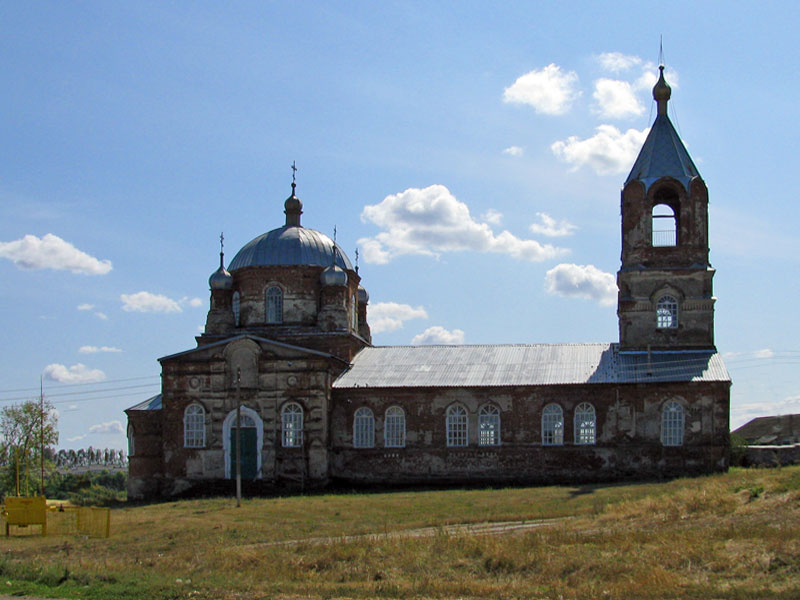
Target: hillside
x,y
727,536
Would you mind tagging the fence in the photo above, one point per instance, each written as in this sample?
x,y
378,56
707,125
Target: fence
x,y
61,518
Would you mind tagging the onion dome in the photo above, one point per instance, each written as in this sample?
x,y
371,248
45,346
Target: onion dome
x,y
333,275
661,92
220,279
293,208
363,295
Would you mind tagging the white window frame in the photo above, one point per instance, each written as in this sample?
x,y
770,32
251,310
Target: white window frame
x,y
363,428
667,312
194,426
489,426
673,421
292,425
273,305
457,424
585,424
552,425
394,428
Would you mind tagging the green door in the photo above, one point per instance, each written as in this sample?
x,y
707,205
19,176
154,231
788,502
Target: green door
x,y
249,453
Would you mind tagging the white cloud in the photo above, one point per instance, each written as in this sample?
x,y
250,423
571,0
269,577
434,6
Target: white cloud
x,y
104,428
96,349
390,316
439,335
515,151
492,216
550,227
85,306
608,152
581,281
72,408
77,438
101,316
193,302
78,373
548,91
51,252
765,353
147,302
616,99
617,61
741,413
430,221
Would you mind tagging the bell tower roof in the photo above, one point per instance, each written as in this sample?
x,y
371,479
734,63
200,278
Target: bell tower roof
x,y
663,153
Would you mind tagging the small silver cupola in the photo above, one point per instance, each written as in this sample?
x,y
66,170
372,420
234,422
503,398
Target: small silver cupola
x,y
221,279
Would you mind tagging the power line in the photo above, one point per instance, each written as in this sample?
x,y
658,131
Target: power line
x,y
58,386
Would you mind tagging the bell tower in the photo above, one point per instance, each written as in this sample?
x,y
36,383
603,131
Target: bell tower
x,y
666,299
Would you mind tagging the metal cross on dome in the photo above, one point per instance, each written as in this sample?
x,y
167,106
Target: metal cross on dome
x,y
294,172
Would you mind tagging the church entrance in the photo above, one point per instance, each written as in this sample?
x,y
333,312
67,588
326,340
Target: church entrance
x,y
252,440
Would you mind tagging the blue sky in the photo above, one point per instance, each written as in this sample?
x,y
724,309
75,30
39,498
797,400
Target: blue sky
x,y
473,153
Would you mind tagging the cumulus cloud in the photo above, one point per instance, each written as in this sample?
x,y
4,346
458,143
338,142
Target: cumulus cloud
x,y
581,281
78,373
514,151
549,90
608,152
96,349
106,428
147,302
51,252
439,335
616,99
390,316
492,216
430,221
550,227
617,61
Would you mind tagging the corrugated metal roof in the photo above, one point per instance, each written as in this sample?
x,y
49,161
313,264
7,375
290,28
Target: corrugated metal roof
x,y
153,403
663,154
513,365
290,245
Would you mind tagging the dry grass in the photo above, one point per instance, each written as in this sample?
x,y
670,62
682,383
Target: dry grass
x,y
733,536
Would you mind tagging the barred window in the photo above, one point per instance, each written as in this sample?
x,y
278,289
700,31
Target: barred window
x,y
672,424
394,428
665,226
489,426
274,312
666,312
194,426
237,304
364,428
457,426
552,425
585,424
292,425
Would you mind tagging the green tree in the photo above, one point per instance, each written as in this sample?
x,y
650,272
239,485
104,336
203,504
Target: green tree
x,y
26,428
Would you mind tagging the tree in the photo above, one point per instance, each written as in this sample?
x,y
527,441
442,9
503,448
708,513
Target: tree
x,y
25,429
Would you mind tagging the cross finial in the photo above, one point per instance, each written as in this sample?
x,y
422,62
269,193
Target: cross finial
x,y
356,260
294,172
221,241
334,234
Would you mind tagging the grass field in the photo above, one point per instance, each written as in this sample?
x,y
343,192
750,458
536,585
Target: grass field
x,y
732,536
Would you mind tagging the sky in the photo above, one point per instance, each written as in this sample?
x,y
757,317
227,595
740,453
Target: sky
x,y
472,152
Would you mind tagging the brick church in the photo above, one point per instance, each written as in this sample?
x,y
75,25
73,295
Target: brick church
x,y
287,341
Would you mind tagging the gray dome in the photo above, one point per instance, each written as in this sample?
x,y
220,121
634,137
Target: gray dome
x,y
290,245
363,295
333,275
220,280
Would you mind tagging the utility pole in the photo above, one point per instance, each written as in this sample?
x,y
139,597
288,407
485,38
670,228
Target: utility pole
x,y
238,438
41,427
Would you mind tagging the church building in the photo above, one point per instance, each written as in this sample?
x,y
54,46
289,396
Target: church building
x,y
286,366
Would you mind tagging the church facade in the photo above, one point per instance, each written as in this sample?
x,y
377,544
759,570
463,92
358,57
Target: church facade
x,y
286,371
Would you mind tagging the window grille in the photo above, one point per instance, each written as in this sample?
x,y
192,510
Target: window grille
x,y
364,428
552,425
667,313
237,303
292,425
457,426
672,424
489,426
585,424
665,230
194,426
394,428
274,312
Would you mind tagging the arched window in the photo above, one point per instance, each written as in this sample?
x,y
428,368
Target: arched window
x,y
354,313
666,313
672,424
194,426
237,304
456,423
274,309
489,426
364,428
665,226
292,425
585,424
394,428
130,441
552,425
